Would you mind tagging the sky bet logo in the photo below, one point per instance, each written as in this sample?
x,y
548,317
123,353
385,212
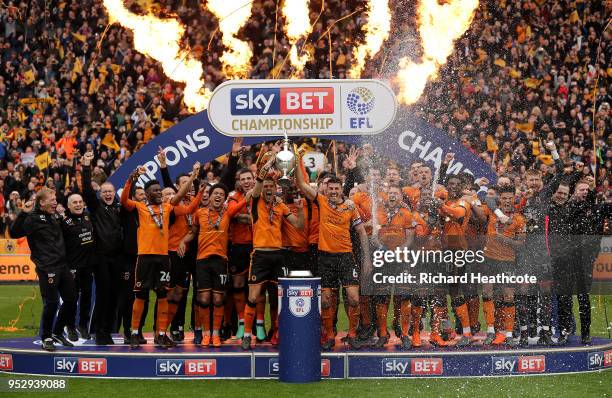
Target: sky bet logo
x,y
523,364
274,366
6,362
411,366
282,101
186,367
84,366
600,359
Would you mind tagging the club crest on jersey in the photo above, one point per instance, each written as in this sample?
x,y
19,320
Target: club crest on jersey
x,y
300,298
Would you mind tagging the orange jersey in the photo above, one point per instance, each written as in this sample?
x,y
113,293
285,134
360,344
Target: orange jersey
x,y
425,237
313,225
498,250
334,225
240,233
456,215
214,226
414,194
182,224
152,239
294,238
267,222
393,226
363,202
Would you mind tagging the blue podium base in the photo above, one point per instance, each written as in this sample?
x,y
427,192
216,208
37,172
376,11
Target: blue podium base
x,y
24,356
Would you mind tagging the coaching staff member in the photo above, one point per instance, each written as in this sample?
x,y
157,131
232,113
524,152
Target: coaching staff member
x,y
42,228
109,268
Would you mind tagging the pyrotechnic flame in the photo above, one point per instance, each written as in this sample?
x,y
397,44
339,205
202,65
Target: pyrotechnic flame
x,y
377,30
297,25
439,25
233,14
160,39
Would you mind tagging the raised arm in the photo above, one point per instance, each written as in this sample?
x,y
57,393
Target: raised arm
x,y
89,195
228,177
125,200
263,173
297,222
181,210
310,193
166,180
20,227
176,199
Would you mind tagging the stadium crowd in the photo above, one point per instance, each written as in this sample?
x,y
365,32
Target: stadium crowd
x,y
69,87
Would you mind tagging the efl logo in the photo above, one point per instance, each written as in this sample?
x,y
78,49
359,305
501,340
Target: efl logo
x,y
187,367
6,362
74,365
360,101
522,364
282,101
273,367
415,366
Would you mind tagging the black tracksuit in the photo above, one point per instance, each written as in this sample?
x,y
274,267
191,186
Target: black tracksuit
x,y
576,229
44,235
109,266
79,239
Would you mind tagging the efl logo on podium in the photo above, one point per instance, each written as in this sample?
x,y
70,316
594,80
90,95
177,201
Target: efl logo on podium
x,y
6,362
74,365
300,298
515,364
186,367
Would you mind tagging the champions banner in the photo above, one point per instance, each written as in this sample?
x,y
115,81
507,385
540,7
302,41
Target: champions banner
x,y
195,139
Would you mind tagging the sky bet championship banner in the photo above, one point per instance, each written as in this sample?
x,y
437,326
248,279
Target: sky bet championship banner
x,y
361,111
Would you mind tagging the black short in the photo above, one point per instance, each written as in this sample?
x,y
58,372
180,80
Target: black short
x,y
267,266
298,261
338,269
239,258
179,270
152,272
211,274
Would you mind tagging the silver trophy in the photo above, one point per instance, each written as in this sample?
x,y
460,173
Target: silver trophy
x,y
285,162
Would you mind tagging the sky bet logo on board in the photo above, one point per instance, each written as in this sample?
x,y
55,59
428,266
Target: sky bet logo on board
x,y
515,364
75,365
186,367
412,366
6,362
600,359
282,101
274,367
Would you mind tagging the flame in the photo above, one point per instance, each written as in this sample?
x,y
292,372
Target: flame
x,y
377,30
237,56
439,25
160,39
297,24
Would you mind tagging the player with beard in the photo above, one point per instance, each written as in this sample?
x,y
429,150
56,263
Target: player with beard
x,y
428,237
153,265
455,214
394,229
241,247
336,260
42,228
503,240
425,181
109,268
129,224
211,226
535,256
78,235
267,260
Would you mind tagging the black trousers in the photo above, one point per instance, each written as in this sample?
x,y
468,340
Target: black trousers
x,y
573,275
53,285
111,294
83,280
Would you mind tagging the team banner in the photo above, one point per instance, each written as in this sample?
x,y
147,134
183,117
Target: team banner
x,y
195,139
301,107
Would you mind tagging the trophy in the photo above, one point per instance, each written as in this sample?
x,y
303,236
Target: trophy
x,y
285,162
